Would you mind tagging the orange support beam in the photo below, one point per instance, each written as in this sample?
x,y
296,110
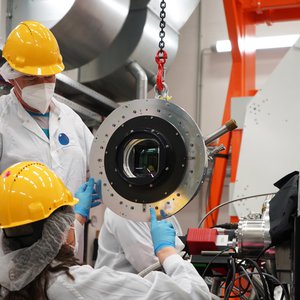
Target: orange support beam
x,y
242,83
242,17
259,5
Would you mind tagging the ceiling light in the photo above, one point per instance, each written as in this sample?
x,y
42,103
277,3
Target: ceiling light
x,y
268,42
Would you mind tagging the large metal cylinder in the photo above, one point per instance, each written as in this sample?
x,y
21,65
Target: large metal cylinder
x,y
82,28
137,42
253,233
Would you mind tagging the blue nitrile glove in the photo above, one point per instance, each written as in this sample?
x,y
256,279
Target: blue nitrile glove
x,y
88,197
162,232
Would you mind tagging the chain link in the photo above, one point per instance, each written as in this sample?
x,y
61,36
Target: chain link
x,y
162,26
161,88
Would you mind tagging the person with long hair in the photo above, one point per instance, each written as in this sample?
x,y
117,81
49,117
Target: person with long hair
x,y
37,241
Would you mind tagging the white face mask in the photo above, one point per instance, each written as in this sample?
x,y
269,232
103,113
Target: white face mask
x,y
38,96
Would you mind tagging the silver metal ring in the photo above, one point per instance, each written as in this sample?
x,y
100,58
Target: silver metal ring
x,y
182,126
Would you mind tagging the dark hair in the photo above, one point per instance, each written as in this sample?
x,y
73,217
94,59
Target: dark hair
x,y
37,289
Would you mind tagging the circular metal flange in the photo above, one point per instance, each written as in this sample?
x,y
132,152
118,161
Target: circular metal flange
x,y
148,153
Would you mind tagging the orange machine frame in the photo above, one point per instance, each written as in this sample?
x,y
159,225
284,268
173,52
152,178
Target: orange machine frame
x,y
242,17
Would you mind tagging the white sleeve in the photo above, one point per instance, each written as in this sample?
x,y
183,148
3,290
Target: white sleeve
x,y
183,279
185,273
182,282
135,240
79,242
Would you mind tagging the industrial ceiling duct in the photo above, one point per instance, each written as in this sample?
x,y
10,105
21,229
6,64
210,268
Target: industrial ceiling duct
x,y
137,42
82,28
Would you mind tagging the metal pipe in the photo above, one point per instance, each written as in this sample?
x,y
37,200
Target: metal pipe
x,y
141,79
228,126
91,118
97,98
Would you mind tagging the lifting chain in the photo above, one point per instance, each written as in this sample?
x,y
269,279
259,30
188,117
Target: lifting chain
x,y
162,25
161,88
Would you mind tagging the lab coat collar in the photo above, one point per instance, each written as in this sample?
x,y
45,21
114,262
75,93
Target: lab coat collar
x,y
27,121
54,107
55,117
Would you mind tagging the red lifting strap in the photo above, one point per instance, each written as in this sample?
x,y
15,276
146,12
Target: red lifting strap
x,y
160,58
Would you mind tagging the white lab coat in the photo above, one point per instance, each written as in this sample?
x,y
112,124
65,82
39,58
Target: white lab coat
x,y
181,281
23,139
125,245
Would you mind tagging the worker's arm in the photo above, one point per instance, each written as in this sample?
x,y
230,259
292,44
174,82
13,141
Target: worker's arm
x,y
88,197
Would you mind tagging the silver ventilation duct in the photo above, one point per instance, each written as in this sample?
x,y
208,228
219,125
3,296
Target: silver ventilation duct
x,y
83,28
137,42
178,12
113,43
109,73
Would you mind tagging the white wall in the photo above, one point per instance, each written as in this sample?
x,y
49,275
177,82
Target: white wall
x,y
200,75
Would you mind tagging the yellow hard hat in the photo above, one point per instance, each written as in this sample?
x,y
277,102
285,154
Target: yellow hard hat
x,y
29,192
32,49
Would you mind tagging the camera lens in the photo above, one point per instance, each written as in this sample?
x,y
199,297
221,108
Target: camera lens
x,y
141,158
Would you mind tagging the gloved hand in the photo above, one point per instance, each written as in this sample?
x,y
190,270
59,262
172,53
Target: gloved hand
x,y
88,197
162,232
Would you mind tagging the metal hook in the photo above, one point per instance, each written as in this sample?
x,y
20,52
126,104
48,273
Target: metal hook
x,y
163,94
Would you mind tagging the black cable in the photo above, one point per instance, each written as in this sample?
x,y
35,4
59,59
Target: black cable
x,y
261,291
286,294
227,281
262,252
229,226
234,292
184,255
228,202
284,287
213,259
263,280
250,280
229,287
244,289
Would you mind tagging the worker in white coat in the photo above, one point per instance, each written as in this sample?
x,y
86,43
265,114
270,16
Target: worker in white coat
x,y
126,245
44,267
33,124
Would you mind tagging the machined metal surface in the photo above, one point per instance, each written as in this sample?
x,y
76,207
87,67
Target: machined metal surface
x,y
253,233
251,237
192,174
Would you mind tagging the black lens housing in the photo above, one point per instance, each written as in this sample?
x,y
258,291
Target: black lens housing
x,y
123,157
